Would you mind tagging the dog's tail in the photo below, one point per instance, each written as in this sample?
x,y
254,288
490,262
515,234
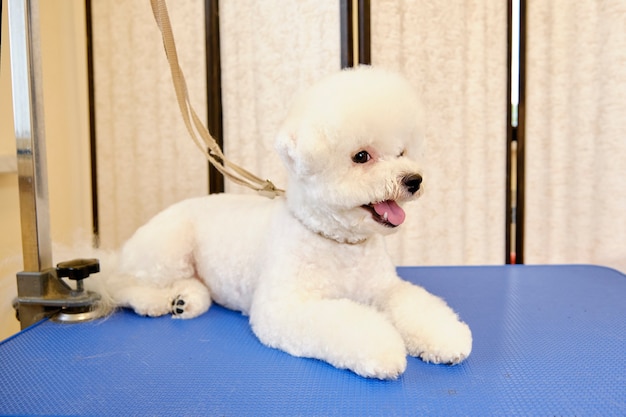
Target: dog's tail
x,y
99,282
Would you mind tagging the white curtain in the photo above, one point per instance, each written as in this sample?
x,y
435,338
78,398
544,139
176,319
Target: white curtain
x,y
270,50
576,132
146,161
455,54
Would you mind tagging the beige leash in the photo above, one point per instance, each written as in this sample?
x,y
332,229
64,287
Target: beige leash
x,y
193,123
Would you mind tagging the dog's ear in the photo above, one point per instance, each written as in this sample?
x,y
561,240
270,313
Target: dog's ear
x,y
285,146
290,146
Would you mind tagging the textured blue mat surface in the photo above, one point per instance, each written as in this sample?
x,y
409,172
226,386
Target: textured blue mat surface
x,y
547,341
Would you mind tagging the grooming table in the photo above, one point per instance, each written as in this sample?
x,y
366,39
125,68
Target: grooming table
x,y
548,340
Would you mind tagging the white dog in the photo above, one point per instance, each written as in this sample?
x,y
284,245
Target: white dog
x,y
310,269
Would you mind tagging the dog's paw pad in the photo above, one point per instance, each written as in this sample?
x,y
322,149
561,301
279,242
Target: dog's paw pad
x,y
178,306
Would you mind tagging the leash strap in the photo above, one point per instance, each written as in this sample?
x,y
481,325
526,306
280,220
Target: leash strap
x,y
198,132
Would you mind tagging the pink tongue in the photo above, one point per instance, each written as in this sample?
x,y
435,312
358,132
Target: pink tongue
x,y
395,214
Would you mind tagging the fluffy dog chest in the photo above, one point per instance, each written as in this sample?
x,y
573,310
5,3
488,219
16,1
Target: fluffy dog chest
x,y
305,262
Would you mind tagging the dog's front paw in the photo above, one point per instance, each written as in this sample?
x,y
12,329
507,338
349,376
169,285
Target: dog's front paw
x,y
375,349
386,362
450,345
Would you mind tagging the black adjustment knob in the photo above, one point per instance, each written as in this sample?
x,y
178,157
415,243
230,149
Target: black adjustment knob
x,y
78,269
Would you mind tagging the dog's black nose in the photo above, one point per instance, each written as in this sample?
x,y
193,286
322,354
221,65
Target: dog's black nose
x,y
412,182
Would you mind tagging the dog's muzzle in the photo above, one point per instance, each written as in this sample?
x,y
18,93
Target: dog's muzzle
x,y
412,183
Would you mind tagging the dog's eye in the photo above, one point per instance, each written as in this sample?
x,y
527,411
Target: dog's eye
x,y
401,154
361,157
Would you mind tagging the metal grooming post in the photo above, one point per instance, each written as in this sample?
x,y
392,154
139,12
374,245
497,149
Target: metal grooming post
x,y
40,291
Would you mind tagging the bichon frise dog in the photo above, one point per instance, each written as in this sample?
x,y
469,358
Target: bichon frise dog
x,y
311,268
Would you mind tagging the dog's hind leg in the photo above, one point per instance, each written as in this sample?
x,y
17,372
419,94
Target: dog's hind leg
x,y
192,298
185,298
156,274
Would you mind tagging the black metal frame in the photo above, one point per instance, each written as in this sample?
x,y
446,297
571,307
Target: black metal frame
x,y
214,86
95,219
365,38
347,33
363,32
516,135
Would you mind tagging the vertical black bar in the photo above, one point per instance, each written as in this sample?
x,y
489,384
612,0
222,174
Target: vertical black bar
x,y
508,227
521,140
514,246
347,33
365,43
214,86
92,125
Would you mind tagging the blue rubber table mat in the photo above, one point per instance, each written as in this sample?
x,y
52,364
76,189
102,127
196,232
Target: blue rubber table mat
x,y
548,340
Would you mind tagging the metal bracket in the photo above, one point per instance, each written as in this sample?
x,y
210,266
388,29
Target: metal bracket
x,y
44,294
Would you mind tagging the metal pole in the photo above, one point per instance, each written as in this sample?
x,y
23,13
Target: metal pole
x,y
24,40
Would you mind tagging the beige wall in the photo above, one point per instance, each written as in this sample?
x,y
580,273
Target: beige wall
x,y
67,141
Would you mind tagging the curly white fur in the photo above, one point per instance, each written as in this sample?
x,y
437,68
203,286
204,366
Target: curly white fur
x,y
310,269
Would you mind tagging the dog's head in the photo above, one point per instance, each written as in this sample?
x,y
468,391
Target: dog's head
x,y
349,144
